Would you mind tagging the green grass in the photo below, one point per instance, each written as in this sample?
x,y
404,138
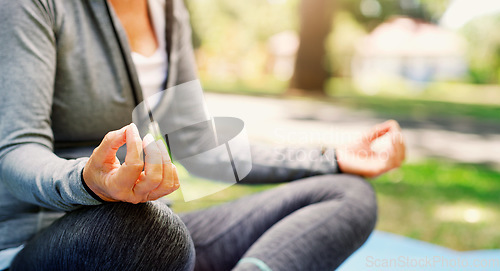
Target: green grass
x,y
449,204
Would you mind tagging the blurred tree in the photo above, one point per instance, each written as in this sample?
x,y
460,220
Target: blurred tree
x,y
484,49
370,13
231,37
435,8
311,69
310,72
346,34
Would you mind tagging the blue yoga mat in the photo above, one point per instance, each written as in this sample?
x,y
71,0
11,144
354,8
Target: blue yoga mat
x,y
391,252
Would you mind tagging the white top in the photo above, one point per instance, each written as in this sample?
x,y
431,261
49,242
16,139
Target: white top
x,y
152,70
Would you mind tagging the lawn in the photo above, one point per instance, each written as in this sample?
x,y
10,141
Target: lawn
x,y
449,204
438,201
445,203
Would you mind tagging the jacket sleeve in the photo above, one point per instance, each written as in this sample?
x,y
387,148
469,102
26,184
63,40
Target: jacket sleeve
x,y
277,164
28,167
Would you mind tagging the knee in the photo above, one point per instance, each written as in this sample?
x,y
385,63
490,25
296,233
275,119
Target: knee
x,y
360,197
155,233
357,202
355,187
343,185
150,232
116,236
356,194
359,192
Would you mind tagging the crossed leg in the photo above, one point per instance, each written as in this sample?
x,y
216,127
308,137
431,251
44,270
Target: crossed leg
x,y
309,224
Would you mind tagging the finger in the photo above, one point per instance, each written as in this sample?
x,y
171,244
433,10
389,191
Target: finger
x,y
376,132
106,151
134,146
167,162
396,151
130,171
399,145
166,187
397,140
168,183
153,168
381,129
393,124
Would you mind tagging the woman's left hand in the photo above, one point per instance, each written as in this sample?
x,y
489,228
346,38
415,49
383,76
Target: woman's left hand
x,y
360,159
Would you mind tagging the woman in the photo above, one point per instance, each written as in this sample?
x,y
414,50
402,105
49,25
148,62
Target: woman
x,y
68,77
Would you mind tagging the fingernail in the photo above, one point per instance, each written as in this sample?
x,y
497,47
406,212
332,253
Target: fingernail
x,y
134,128
148,139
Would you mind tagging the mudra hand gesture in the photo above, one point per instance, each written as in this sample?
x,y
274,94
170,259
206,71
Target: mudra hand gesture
x,y
360,159
135,180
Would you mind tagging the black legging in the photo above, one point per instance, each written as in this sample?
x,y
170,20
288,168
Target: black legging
x,y
310,224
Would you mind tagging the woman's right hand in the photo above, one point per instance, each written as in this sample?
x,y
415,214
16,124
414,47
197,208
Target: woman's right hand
x,y
135,180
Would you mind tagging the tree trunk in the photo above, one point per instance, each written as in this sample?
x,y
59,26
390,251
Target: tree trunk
x,y
310,75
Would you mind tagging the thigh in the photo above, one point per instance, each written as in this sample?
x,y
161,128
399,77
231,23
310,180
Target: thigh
x,y
113,236
222,234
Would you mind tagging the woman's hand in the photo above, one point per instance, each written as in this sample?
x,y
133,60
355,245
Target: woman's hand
x,y
133,181
359,158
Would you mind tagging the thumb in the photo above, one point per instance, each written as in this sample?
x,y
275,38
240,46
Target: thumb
x,y
131,169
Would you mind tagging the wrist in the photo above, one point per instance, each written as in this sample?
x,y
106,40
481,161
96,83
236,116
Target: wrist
x,y
336,156
88,189
340,158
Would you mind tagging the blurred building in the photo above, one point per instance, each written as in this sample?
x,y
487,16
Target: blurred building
x,y
282,49
460,12
409,49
